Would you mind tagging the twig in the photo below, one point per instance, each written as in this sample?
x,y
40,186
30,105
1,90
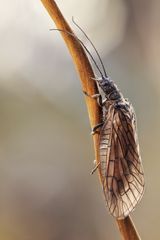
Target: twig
x,y
126,226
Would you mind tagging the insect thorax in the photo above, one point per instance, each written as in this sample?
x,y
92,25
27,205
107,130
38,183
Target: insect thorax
x,y
110,89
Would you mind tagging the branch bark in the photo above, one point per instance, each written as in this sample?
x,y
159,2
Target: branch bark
x,y
82,64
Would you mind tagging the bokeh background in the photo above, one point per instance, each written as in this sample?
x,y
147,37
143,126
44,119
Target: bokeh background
x,y
46,152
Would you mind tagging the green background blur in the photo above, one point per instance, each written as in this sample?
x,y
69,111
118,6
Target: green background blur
x,y
46,152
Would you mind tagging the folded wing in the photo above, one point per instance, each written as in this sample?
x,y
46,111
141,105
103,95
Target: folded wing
x,y
121,167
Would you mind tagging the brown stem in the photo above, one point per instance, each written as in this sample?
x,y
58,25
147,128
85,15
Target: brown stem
x,y
127,229
126,226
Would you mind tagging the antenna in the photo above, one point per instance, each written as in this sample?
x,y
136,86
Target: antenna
x,y
99,57
73,35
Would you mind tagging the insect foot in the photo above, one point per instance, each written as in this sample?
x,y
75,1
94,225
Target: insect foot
x,y
94,129
94,96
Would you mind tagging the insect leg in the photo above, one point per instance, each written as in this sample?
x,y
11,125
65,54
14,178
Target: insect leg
x,y
94,129
95,168
97,79
95,96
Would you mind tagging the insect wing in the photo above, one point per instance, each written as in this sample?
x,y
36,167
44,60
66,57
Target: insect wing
x,y
121,167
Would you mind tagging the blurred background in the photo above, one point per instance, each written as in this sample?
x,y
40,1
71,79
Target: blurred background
x,y
46,152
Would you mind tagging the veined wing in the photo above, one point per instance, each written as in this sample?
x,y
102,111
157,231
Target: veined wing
x,y
121,167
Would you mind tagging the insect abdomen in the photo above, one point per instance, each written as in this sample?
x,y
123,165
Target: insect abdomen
x,y
120,161
104,149
105,141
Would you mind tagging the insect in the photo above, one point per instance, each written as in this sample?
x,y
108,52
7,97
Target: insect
x,y
120,161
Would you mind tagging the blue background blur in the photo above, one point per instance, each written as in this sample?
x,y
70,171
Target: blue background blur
x,y
46,152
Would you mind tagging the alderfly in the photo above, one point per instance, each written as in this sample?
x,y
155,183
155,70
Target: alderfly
x,y
120,161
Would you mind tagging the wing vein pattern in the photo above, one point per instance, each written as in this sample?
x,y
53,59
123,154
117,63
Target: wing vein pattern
x,y
120,161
